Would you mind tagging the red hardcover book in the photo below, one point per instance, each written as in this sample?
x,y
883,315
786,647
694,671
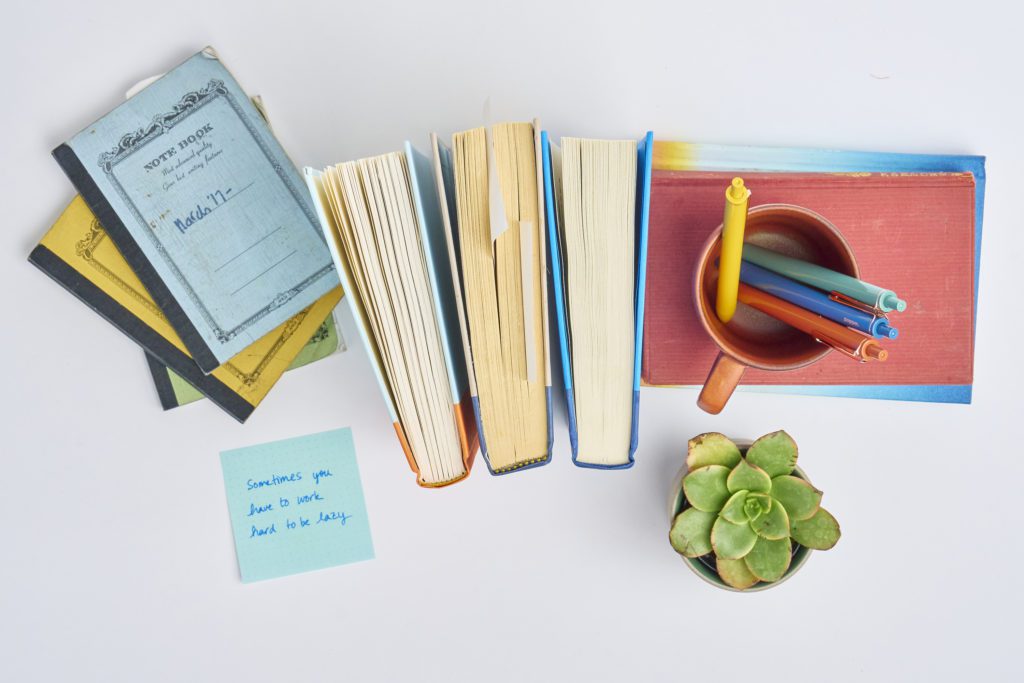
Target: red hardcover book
x,y
911,233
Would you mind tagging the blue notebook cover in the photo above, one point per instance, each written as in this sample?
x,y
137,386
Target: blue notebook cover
x,y
645,149
201,200
687,156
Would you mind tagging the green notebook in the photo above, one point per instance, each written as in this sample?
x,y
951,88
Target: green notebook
x,y
174,391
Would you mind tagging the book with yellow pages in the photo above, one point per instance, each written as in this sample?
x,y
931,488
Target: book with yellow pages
x,y
598,203
77,253
383,225
490,185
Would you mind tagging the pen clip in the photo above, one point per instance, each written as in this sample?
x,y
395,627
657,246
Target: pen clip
x,y
841,298
840,348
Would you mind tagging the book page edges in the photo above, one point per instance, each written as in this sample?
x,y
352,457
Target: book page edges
x,y
465,424
433,237
445,188
314,183
542,242
467,436
644,168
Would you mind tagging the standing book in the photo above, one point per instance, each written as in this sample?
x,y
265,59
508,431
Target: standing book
x,y
200,199
489,185
597,197
385,230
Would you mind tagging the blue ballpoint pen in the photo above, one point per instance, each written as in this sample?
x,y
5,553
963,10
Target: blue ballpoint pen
x,y
816,301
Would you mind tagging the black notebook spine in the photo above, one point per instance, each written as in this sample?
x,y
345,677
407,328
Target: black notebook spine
x,y
142,334
129,248
162,381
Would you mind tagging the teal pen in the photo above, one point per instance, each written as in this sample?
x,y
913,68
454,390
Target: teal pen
x,y
824,279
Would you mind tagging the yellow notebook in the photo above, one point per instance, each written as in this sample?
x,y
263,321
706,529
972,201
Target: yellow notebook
x,y
77,253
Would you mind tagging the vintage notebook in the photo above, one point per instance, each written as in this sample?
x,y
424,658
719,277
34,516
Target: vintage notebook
x,y
174,391
385,230
490,183
597,196
205,206
77,253
911,232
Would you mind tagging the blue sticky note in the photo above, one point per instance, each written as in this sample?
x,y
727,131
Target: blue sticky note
x,y
296,505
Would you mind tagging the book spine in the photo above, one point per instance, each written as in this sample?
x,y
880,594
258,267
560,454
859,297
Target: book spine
x,y
129,248
143,335
557,290
645,168
162,382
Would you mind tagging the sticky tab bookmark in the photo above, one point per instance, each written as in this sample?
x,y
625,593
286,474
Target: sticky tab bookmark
x,y
495,200
526,258
496,203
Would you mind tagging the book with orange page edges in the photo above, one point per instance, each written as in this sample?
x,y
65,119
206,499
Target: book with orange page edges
x,y
382,222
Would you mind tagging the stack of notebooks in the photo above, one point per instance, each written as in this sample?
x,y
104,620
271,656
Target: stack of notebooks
x,y
195,235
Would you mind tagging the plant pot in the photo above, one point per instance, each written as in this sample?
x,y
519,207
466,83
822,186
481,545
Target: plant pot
x,y
704,566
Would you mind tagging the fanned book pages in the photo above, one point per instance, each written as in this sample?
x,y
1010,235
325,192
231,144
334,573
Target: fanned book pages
x,y
490,183
598,196
383,222
200,199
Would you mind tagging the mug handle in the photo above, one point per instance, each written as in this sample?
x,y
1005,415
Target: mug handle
x,y
721,382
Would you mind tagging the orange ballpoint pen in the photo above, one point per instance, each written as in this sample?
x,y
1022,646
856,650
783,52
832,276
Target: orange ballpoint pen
x,y
850,342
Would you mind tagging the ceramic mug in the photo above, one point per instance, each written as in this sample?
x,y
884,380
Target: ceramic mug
x,y
752,338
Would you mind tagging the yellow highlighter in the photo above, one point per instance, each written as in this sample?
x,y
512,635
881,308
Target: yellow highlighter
x,y
736,196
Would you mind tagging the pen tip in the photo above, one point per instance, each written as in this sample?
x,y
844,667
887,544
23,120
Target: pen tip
x,y
894,302
876,352
886,331
737,191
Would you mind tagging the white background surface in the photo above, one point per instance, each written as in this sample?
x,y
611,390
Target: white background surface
x,y
117,562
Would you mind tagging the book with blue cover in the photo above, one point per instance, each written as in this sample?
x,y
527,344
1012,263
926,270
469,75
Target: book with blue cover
x,y
205,206
597,198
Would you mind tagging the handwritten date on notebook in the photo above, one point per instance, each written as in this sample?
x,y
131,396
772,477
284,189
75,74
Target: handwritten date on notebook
x,y
296,505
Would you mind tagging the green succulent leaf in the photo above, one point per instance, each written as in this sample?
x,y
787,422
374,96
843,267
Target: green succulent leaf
x,y
691,532
768,560
747,477
800,499
736,573
820,532
733,509
731,541
705,487
773,524
756,505
711,449
774,453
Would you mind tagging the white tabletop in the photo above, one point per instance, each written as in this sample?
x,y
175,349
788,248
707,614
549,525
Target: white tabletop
x,y
117,559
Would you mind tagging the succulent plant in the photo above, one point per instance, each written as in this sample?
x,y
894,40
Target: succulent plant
x,y
748,509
